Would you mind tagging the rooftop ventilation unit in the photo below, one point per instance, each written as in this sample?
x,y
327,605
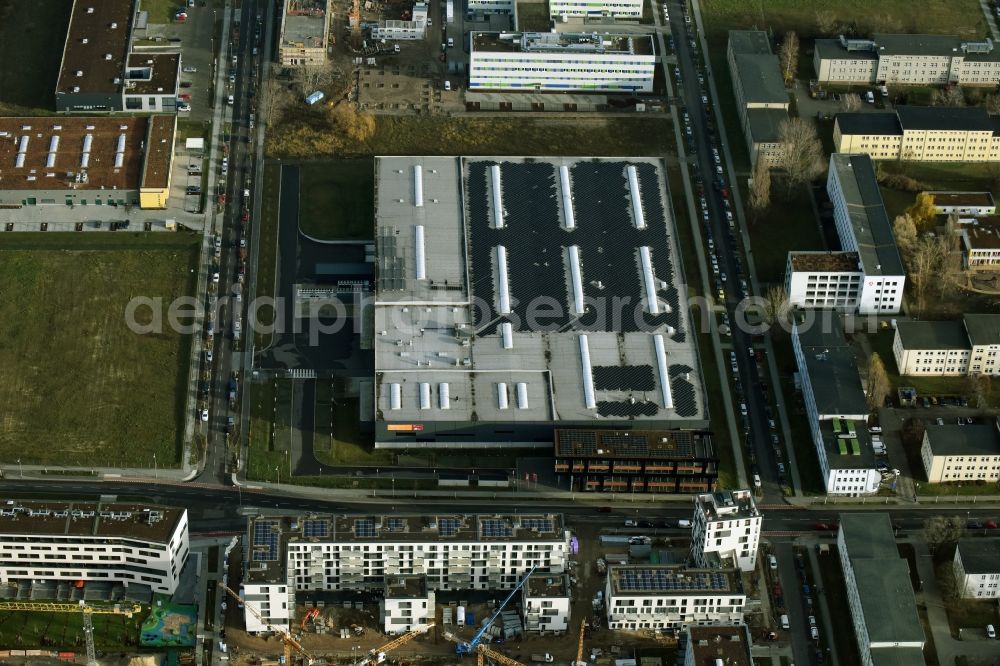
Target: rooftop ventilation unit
x,y
395,396
444,398
567,199
90,10
425,395
576,279
633,188
522,395
497,196
503,286
419,252
502,396
418,185
587,372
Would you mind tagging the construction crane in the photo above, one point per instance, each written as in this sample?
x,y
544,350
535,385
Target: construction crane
x,y
287,638
82,607
355,21
377,656
483,652
579,648
468,648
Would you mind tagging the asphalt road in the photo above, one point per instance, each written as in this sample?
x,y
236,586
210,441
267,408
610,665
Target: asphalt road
x,y
728,252
241,174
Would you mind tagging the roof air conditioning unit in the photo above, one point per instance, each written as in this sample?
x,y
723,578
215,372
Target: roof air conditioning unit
x,y
79,72
107,56
84,41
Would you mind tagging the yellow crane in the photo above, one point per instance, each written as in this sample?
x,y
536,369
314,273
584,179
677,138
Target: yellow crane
x,y
483,652
579,648
81,607
377,655
287,638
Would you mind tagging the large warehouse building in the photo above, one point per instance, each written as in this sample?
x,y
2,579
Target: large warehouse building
x,y
517,296
99,70
86,161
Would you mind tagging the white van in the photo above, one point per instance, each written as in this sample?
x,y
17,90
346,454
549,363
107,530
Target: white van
x,y
784,622
230,100
756,481
683,523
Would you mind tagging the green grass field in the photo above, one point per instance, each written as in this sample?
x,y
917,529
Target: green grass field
x,y
32,35
64,631
267,248
935,16
337,199
80,388
789,224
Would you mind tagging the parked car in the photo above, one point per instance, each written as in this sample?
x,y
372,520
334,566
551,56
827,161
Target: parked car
x,y
189,69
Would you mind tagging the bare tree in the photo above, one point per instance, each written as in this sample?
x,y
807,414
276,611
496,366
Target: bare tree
x,y
788,54
760,188
850,102
941,531
925,268
803,152
992,103
905,232
777,309
980,388
948,96
878,382
826,22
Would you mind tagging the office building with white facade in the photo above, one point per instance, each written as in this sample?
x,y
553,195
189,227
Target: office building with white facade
x,y
639,596
708,646
595,9
835,405
407,603
864,229
480,8
907,59
545,600
402,30
954,453
725,530
466,250
824,280
562,62
61,543
879,593
362,553
977,567
969,346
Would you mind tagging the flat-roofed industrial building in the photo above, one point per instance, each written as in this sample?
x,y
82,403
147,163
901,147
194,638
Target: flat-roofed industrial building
x,y
101,73
86,161
515,296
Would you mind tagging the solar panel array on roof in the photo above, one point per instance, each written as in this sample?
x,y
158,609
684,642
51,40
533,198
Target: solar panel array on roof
x,y
391,264
266,536
315,528
666,580
685,400
624,378
536,243
626,408
396,525
496,528
448,527
364,528
537,524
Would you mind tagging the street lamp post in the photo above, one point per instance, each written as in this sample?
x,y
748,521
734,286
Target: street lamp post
x,y
20,471
155,473
277,471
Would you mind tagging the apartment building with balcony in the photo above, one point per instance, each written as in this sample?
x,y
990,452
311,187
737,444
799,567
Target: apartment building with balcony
x,y
360,553
639,596
406,603
725,530
61,543
545,600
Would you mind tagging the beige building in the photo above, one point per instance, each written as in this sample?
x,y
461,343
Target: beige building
x,y
918,60
981,243
305,32
761,99
921,134
970,346
954,453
